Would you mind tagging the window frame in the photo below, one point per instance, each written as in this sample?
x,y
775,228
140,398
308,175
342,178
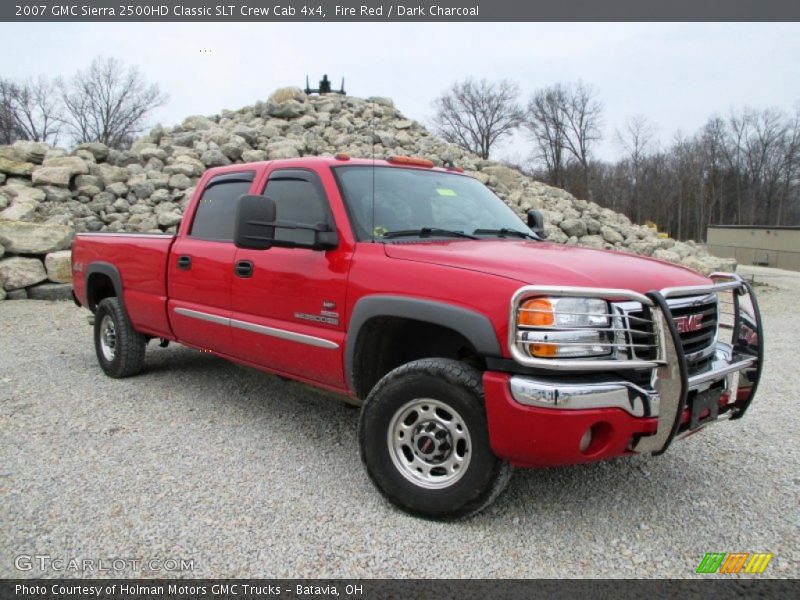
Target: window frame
x,y
303,174
247,176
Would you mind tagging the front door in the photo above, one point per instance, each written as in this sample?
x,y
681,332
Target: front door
x,y
288,303
201,267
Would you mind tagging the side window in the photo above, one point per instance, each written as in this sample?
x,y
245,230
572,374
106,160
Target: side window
x,y
216,210
298,197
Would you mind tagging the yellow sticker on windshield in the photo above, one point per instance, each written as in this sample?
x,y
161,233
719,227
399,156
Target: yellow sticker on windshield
x,y
446,192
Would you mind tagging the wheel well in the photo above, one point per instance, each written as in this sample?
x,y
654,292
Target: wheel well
x,y
385,343
98,287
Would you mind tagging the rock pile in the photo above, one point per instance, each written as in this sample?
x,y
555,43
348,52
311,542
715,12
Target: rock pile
x,y
47,193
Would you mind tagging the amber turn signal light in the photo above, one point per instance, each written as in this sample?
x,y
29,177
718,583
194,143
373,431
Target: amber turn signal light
x,y
536,313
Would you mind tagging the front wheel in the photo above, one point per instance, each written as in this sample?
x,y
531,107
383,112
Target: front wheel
x,y
120,349
425,442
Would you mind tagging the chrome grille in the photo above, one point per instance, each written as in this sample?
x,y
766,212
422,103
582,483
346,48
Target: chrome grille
x,y
700,338
640,329
694,342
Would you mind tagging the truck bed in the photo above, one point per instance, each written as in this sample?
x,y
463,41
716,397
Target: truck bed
x,y
141,261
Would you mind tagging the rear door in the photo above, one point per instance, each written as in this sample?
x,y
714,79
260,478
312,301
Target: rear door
x,y
288,303
201,267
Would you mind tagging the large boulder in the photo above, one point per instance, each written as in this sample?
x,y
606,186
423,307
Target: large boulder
x,y
51,291
58,176
96,149
18,272
23,193
59,266
214,157
109,174
19,211
286,94
290,109
16,167
574,227
33,152
74,164
34,238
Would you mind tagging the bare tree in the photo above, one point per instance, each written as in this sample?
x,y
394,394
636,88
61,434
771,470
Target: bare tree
x,y
29,110
584,115
546,124
636,139
566,120
476,115
109,103
9,129
742,169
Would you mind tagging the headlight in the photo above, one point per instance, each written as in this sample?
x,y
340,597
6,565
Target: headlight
x,y
563,312
565,327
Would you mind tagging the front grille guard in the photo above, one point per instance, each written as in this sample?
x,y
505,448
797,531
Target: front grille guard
x,y
743,349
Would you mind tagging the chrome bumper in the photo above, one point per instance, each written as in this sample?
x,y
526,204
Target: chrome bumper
x,y
734,370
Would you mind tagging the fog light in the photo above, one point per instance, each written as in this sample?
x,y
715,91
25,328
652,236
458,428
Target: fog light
x,y
586,440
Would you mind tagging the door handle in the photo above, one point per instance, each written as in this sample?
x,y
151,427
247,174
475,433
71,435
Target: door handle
x,y
184,262
244,268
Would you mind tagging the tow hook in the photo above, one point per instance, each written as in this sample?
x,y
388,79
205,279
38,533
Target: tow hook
x,y
163,343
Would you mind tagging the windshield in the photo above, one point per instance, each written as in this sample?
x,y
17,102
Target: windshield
x,y
412,202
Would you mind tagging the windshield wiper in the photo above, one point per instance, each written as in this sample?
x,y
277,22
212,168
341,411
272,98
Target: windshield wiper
x,y
504,232
427,232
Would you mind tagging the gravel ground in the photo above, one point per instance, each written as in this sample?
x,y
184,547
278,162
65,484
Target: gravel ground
x,y
249,475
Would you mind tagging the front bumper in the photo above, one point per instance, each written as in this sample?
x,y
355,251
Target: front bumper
x,y
563,418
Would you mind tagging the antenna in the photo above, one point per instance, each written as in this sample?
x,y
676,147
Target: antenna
x,y
373,176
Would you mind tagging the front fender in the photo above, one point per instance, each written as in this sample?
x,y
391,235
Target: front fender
x,y
474,326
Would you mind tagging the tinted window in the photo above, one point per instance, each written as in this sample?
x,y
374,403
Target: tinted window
x,y
299,198
216,210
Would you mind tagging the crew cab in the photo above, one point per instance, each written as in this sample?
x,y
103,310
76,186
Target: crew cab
x,y
471,345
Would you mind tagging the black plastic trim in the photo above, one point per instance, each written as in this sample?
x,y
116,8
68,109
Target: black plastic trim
x,y
242,176
477,328
112,272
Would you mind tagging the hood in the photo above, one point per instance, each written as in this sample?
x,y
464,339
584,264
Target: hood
x,y
542,263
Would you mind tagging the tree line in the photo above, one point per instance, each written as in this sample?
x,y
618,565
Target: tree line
x,y
742,168
107,102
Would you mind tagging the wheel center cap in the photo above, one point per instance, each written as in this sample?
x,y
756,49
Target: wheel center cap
x,y
432,442
426,444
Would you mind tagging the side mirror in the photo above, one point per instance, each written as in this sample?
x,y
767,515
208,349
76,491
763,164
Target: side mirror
x,y
536,222
254,224
255,227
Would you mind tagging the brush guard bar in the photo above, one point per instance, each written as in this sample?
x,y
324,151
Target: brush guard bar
x,y
738,358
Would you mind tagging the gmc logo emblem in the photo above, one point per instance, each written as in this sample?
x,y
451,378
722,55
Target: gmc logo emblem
x,y
689,323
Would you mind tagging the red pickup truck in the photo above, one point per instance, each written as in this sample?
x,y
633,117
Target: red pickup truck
x,y
472,345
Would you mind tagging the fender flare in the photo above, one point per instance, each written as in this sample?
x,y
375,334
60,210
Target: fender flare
x,y
104,268
474,326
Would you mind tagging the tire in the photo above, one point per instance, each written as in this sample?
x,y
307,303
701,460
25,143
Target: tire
x,y
120,349
425,442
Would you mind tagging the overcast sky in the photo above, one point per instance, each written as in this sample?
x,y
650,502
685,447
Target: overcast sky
x,y
675,74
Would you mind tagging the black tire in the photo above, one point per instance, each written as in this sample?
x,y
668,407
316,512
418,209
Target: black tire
x,y
448,383
126,357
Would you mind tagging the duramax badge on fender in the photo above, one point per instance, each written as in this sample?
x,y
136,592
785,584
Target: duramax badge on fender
x,y
471,344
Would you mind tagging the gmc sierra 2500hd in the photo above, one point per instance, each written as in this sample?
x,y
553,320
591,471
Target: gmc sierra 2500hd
x,y
472,345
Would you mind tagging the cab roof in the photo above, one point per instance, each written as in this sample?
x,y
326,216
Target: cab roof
x,y
332,161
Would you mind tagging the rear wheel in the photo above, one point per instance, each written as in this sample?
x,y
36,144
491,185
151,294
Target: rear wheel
x,y
425,442
120,349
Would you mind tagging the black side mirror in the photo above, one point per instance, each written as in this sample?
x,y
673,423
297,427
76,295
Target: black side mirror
x,y
255,227
536,222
